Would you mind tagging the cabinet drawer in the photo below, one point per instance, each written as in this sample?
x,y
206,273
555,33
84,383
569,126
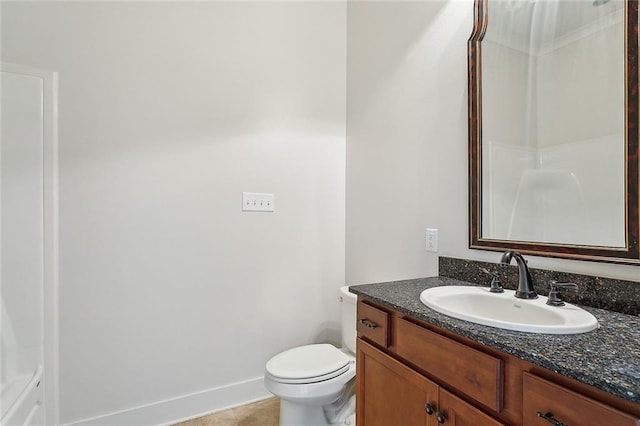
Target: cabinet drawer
x,y
373,324
542,398
475,373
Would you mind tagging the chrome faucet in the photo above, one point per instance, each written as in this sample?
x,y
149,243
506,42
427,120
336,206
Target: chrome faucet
x,y
525,283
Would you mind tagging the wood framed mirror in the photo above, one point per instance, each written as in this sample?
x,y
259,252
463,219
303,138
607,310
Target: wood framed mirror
x,y
554,128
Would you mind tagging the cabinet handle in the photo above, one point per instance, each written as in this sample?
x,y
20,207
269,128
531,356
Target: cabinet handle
x,y
440,417
368,323
429,408
549,417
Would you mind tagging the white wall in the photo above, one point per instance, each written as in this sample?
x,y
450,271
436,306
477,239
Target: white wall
x,y
168,111
406,132
407,142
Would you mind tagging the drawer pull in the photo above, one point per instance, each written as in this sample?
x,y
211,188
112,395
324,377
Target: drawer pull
x,y
368,323
549,417
440,417
429,409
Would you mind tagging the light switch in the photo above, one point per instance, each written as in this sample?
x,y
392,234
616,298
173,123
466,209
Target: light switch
x,y
257,202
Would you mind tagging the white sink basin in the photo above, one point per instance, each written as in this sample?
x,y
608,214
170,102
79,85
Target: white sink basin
x,y
504,310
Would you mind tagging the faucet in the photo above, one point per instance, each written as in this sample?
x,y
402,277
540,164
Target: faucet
x,y
525,283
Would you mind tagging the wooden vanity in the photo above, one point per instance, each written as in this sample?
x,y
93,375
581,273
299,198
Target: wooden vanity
x,y
412,372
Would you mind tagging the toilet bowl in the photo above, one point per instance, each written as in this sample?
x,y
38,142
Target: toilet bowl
x,y
316,383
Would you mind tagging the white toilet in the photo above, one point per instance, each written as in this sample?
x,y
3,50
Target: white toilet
x,y
316,383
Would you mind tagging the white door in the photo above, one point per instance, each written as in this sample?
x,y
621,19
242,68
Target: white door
x,y
23,262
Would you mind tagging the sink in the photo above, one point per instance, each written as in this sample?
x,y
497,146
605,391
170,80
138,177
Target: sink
x,y
504,310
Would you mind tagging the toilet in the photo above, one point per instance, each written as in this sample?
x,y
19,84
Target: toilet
x,y
316,383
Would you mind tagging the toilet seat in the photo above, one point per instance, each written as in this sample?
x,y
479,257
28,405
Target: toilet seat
x,y
308,364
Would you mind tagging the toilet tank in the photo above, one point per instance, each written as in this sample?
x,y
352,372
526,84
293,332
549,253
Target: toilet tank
x,y
348,309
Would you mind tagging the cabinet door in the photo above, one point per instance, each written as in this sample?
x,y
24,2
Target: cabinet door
x,y
391,394
460,413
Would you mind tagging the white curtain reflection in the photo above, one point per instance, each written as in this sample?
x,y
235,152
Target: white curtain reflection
x,y
553,122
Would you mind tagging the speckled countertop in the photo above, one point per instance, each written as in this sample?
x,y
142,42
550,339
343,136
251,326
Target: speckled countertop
x,y
607,358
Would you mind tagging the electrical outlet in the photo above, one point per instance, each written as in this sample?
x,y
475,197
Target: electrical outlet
x,y
432,239
257,202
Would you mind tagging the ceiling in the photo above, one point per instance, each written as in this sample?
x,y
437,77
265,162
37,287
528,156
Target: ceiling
x,y
533,25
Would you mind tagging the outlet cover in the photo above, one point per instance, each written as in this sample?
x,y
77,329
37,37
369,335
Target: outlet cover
x,y
432,240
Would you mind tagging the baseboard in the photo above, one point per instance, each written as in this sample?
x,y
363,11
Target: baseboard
x,y
183,408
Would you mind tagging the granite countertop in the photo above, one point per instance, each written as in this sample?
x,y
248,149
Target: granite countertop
x,y
607,358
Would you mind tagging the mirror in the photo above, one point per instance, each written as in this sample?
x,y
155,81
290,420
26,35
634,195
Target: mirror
x,y
553,128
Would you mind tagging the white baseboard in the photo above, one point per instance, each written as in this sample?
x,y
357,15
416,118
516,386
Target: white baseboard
x,y
185,407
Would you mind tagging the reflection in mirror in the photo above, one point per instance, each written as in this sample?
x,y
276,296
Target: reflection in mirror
x,y
553,128
553,122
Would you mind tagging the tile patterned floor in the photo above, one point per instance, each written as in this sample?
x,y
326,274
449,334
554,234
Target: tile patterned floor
x,y
261,413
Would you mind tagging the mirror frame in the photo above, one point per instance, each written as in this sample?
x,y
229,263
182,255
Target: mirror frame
x,y
629,254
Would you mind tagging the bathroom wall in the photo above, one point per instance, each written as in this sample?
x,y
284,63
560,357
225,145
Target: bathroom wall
x,y
407,142
171,298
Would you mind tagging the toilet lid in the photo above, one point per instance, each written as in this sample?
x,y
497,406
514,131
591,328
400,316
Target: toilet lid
x,y
306,364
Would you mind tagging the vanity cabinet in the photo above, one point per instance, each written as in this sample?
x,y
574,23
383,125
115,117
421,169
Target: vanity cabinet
x,y
413,373
390,393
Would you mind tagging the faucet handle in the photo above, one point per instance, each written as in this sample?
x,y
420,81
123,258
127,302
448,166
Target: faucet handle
x,y
554,295
496,285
